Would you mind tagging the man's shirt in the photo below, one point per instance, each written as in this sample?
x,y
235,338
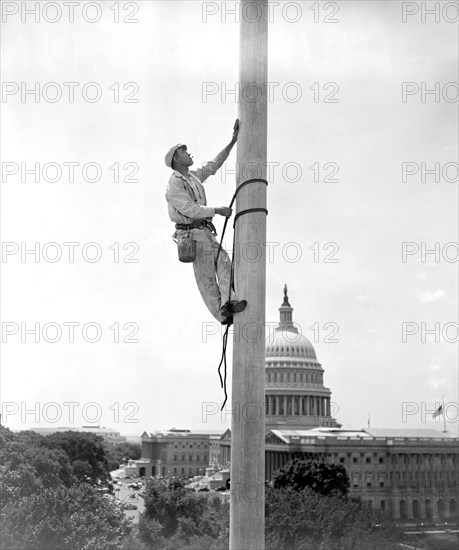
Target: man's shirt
x,y
186,197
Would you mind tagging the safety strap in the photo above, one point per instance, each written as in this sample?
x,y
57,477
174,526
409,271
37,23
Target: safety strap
x,y
238,215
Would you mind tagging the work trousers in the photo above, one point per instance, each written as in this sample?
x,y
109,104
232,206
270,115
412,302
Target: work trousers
x,y
213,282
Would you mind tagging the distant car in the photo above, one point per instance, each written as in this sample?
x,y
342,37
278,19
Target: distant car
x,y
132,495
142,494
130,507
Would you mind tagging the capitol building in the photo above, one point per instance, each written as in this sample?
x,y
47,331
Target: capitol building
x,y
412,474
295,391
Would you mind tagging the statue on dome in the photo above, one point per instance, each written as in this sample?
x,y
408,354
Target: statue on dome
x,y
286,302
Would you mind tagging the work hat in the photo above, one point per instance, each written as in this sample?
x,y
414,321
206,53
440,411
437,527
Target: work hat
x,y
171,153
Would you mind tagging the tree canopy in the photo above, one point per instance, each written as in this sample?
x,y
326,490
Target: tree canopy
x,y
49,493
121,452
177,518
324,478
308,520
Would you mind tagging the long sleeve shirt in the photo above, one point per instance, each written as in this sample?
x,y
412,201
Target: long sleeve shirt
x,y
186,197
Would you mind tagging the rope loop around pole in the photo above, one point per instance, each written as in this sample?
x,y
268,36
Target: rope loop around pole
x,y
248,211
246,182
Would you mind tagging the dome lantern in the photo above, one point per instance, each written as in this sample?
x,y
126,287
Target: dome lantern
x,y
285,311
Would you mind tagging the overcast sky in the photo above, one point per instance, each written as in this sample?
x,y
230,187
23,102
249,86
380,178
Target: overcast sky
x,y
166,77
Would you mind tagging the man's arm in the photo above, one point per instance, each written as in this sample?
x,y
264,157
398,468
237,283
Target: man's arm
x,y
210,168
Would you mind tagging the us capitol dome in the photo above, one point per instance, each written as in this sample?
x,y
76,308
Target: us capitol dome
x,y
295,396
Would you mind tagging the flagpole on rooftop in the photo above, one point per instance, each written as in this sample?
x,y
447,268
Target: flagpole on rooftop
x,y
443,413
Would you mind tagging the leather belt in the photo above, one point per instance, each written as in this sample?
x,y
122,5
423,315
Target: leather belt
x,y
197,224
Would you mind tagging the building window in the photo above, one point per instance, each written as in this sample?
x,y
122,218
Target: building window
x,y
368,483
198,458
355,460
183,470
368,459
342,460
191,458
381,483
175,458
381,460
183,458
383,504
175,470
205,458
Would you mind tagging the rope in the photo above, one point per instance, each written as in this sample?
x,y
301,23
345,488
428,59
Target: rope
x,y
223,360
231,286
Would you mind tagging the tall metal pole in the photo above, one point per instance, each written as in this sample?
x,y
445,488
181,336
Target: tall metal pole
x,y
247,513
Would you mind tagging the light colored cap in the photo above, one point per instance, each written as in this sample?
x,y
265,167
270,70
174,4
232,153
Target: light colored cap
x,y
171,153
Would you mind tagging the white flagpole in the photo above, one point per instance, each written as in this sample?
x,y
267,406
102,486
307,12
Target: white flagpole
x,y
443,413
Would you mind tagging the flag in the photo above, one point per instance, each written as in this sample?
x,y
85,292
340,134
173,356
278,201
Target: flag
x,y
438,412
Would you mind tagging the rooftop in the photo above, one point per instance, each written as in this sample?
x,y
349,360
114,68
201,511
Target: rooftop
x,y
373,434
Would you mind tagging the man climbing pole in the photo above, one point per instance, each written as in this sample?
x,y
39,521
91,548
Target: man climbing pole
x,y
187,207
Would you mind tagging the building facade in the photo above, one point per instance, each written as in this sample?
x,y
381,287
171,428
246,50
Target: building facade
x,y
175,453
411,474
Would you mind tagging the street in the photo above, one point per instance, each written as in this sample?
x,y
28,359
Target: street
x,y
123,494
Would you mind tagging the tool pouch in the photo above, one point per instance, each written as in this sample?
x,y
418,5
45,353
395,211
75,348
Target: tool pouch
x,y
186,248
